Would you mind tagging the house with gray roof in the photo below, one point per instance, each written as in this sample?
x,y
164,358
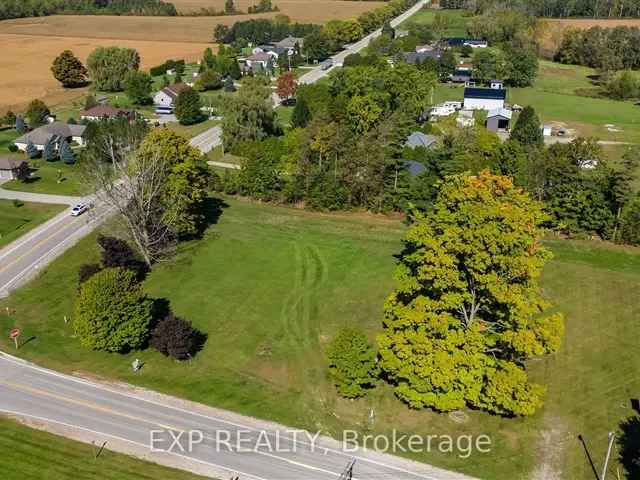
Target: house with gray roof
x,y
55,131
169,94
289,43
416,58
13,169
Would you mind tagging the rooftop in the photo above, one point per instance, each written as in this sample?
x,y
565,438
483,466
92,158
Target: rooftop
x,y
485,93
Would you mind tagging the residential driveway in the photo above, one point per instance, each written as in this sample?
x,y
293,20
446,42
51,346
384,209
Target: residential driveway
x,y
207,141
38,197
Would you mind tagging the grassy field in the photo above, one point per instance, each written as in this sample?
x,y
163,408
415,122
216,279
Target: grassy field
x,y
15,221
558,96
456,21
45,179
270,286
33,454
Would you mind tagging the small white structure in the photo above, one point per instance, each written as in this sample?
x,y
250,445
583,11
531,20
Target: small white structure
x,y
546,130
465,118
456,105
497,84
168,95
476,43
442,111
484,98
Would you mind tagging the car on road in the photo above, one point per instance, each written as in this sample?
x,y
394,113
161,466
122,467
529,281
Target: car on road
x,y
326,65
79,209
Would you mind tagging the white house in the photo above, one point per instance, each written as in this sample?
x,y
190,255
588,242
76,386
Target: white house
x,y
54,131
484,98
168,95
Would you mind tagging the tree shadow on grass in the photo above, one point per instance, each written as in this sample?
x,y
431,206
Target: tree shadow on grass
x,y
629,447
213,210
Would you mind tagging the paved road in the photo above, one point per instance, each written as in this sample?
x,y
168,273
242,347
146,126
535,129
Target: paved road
x,y
317,73
22,259
117,416
207,141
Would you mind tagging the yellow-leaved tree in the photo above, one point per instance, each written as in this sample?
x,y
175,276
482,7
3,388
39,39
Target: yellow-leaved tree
x,y
468,310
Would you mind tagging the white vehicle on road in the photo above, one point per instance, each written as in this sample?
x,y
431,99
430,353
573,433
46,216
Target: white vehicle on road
x,y
79,209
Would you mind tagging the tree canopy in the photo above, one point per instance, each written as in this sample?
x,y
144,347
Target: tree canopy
x,y
468,311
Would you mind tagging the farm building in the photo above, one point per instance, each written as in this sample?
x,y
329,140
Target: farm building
x,y
12,169
55,131
168,95
499,120
484,98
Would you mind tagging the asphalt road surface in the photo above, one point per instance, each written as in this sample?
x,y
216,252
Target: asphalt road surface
x,y
22,259
101,412
317,73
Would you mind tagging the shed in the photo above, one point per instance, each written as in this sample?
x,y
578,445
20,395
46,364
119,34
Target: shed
x,y
499,120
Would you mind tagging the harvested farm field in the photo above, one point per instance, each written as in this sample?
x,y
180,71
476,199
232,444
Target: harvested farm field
x,y
556,26
27,59
304,11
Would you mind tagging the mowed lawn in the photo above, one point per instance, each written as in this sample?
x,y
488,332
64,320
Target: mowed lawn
x,y
56,178
15,220
456,21
556,97
32,454
271,286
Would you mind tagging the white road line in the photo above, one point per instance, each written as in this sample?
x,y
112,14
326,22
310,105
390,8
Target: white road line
x,y
197,460
12,359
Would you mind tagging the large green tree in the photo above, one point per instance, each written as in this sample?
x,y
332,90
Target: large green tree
x,y
37,113
69,70
112,312
108,67
138,87
187,108
468,311
527,129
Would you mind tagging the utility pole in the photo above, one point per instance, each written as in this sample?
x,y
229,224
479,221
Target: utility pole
x,y
612,437
347,474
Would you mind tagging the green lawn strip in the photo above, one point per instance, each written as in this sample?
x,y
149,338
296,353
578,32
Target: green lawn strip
x,y
190,131
45,178
457,21
31,453
271,285
15,221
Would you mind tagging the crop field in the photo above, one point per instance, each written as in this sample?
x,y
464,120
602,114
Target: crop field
x,y
25,64
312,11
555,27
31,44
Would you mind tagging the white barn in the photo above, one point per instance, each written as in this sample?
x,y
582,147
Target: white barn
x,y
484,98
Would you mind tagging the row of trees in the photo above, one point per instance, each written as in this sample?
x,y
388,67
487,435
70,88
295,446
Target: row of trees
x,y
565,8
606,49
39,8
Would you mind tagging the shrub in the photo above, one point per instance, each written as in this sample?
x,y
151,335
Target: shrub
x,y
352,363
175,337
117,253
630,231
37,113
112,313
87,270
188,107
12,148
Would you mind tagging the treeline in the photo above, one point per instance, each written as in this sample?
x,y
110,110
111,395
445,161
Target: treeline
x,y
602,48
562,8
261,30
346,151
39,8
